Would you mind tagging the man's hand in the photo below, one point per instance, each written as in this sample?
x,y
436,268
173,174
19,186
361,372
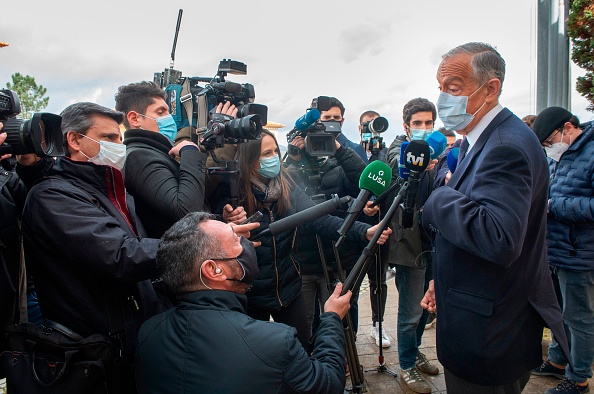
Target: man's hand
x,y
369,210
337,303
382,239
298,142
237,215
2,139
448,177
174,152
227,109
428,301
243,230
431,165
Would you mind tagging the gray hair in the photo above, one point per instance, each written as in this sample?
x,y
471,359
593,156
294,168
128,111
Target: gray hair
x,y
486,62
182,247
78,118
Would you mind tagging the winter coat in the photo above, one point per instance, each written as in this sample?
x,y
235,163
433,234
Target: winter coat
x,y
84,246
337,175
163,189
570,221
208,344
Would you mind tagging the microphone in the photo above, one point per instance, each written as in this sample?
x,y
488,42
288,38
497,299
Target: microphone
x,y
372,181
227,86
437,144
453,159
417,157
304,122
305,216
403,172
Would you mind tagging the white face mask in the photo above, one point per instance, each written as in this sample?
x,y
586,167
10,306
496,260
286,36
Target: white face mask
x,y
555,151
110,154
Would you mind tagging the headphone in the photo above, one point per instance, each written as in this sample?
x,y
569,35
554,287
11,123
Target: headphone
x,y
217,270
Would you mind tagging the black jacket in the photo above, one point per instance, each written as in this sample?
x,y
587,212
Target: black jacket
x,y
207,344
163,189
12,196
84,245
279,280
337,175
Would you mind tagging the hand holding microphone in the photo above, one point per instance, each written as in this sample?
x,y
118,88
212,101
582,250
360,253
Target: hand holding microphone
x,y
374,180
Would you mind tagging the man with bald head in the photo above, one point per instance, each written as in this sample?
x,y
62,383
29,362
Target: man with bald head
x,y
492,286
208,337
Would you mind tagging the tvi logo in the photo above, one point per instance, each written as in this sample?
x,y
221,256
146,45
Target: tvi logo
x,y
415,160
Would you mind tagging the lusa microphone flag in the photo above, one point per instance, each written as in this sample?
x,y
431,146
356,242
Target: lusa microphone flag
x,y
374,180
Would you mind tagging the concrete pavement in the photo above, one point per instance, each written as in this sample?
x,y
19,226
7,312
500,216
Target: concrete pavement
x,y
381,382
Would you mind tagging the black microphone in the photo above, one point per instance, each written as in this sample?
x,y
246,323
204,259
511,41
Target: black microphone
x,y
371,182
305,216
416,159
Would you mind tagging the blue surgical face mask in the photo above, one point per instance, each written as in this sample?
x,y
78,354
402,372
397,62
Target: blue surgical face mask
x,y
365,136
419,134
269,167
452,110
167,125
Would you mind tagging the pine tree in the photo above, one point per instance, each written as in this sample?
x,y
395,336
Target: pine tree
x,y
30,94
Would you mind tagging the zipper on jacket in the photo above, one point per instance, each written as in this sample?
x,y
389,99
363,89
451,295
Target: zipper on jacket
x,y
274,260
133,300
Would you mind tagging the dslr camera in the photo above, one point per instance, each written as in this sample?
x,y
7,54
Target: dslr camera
x,y
42,134
374,143
320,136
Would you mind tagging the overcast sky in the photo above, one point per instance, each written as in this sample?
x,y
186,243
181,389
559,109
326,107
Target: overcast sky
x,y
370,54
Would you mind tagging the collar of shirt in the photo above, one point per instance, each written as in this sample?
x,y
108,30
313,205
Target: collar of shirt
x,y
475,133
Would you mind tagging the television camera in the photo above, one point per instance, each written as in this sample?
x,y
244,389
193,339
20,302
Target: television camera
x,y
42,134
320,136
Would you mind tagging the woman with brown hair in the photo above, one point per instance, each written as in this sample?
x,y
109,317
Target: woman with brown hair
x,y
264,186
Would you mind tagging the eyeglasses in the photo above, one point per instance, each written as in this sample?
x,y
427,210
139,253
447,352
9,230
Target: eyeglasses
x,y
548,142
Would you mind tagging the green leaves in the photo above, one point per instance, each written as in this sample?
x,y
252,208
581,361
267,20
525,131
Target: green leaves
x,y
30,94
580,28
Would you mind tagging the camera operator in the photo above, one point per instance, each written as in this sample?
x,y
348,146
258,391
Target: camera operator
x,y
374,147
12,198
164,189
335,111
324,176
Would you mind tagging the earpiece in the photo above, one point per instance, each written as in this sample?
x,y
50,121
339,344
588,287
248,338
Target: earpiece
x,y
217,270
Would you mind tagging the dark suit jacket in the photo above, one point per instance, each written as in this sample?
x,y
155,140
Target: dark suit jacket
x,y
493,287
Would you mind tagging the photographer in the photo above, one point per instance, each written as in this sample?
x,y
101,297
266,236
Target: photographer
x,y
264,186
164,189
12,198
324,176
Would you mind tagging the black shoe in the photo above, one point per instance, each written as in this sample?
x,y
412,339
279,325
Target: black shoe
x,y
548,369
568,387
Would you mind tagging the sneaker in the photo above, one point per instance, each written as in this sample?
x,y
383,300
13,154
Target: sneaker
x,y
390,273
425,366
375,335
548,369
414,380
568,387
430,321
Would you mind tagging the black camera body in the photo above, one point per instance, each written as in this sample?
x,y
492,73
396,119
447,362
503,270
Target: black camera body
x,y
375,127
42,134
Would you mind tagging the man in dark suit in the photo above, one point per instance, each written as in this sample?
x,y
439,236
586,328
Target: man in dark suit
x,y
492,282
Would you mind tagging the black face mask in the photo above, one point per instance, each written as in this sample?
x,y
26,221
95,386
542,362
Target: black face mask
x,y
248,261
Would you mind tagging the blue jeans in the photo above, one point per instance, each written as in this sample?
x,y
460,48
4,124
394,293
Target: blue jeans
x,y
577,292
410,282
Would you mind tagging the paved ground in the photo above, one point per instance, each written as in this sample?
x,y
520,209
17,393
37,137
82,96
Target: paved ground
x,y
381,382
